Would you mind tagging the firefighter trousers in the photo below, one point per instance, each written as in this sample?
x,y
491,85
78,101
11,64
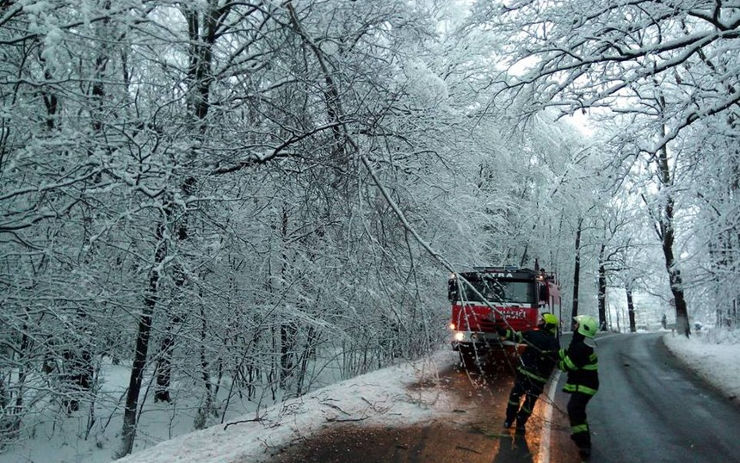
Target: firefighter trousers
x,y
579,431
530,390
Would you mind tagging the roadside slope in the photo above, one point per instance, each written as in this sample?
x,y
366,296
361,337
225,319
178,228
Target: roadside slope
x,y
714,356
380,398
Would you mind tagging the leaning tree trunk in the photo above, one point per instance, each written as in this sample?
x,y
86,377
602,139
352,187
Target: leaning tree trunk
x,y
142,347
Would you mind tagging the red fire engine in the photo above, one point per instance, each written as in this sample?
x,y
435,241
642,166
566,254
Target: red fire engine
x,y
490,298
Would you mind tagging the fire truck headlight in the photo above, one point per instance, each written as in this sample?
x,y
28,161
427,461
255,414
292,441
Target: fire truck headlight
x,y
452,326
459,336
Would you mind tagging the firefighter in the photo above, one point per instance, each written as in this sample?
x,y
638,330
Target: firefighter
x,y
581,363
537,362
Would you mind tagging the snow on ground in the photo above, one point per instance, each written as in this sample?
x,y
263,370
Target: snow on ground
x,y
380,398
383,398
714,355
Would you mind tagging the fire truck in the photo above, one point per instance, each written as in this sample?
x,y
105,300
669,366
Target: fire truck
x,y
490,298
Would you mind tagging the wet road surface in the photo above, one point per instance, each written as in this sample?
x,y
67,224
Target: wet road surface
x,y
474,434
649,409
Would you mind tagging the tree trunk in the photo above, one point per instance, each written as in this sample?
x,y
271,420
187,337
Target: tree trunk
x,y
10,423
577,269
287,353
631,310
78,359
164,368
142,347
667,235
201,417
602,289
167,345
525,256
202,35
78,376
674,277
304,359
5,423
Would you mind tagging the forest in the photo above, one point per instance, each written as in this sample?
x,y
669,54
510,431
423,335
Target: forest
x,y
230,199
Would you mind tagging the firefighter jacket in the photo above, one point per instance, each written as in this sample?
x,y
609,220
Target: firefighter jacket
x,y
581,363
539,357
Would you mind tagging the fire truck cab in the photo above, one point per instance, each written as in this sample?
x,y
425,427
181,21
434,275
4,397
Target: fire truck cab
x,y
490,298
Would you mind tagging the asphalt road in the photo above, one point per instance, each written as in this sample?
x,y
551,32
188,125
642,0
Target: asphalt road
x,y
648,409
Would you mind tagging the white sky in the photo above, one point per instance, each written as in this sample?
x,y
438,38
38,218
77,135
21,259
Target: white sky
x,y
582,123
381,398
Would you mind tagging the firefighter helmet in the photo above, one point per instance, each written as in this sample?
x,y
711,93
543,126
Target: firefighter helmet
x,y
587,325
550,322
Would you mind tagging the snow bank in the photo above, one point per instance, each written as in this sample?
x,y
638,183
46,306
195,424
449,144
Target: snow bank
x,y
380,397
714,355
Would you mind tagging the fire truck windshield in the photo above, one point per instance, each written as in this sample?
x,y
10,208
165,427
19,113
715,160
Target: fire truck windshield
x,y
500,291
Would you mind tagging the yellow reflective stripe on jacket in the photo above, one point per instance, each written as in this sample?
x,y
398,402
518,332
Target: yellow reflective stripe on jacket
x,y
579,388
532,375
567,361
586,390
579,428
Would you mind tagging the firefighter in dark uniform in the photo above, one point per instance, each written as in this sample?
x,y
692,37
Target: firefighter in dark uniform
x,y
581,363
536,363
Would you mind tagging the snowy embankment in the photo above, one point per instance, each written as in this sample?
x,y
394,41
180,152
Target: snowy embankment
x,y
380,397
714,355
384,398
